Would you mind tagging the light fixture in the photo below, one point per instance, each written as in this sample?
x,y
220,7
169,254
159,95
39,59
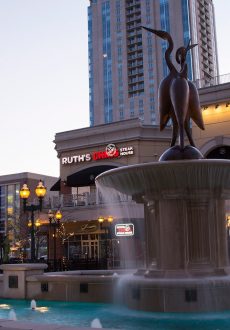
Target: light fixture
x,y
58,215
100,219
24,191
228,221
227,104
37,223
54,216
40,190
217,106
205,107
110,219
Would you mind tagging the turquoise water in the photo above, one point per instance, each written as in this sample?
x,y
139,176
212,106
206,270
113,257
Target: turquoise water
x,y
110,316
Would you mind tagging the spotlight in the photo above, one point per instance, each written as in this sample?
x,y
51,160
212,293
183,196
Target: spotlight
x,y
217,106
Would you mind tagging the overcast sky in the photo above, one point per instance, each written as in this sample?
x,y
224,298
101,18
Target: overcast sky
x,y
44,77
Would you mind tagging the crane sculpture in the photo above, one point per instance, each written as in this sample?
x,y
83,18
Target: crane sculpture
x,y
178,97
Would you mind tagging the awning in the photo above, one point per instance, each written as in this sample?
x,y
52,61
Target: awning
x,y
56,186
87,176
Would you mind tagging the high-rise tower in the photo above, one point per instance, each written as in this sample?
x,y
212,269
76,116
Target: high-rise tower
x,y
126,63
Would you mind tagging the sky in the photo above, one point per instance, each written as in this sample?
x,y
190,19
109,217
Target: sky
x,y
44,77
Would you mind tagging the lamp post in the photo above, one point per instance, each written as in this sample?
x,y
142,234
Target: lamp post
x,y
109,220
228,233
40,192
54,219
34,228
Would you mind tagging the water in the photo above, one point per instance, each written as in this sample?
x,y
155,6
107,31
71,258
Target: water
x,y
112,317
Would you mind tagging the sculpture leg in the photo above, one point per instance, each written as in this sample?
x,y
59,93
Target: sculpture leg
x,y
174,132
181,134
188,132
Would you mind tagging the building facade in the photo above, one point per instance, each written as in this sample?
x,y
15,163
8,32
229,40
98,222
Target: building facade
x,y
126,63
86,153
13,222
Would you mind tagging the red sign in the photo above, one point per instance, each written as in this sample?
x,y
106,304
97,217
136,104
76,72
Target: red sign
x,y
124,229
103,155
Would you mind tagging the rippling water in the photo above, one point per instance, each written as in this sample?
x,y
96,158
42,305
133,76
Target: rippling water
x,y
111,316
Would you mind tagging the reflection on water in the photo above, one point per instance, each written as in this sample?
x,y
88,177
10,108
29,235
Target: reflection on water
x,y
42,309
4,306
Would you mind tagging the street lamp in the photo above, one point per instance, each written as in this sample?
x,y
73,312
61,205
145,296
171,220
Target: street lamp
x,y
228,233
54,219
40,192
102,220
228,224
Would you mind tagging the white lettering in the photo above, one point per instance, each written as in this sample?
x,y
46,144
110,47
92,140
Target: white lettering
x,y
87,157
81,158
126,149
126,153
76,159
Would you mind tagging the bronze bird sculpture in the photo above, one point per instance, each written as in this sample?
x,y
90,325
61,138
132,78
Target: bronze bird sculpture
x,y
178,97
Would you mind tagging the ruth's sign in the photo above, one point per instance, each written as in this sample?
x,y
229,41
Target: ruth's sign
x,y
111,151
124,229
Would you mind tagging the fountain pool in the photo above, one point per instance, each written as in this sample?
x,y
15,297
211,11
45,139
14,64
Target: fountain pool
x,y
111,316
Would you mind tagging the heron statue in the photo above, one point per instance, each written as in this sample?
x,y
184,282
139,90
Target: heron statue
x,y
178,97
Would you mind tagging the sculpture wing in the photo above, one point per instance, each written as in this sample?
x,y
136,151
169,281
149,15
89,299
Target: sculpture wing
x,y
165,104
194,106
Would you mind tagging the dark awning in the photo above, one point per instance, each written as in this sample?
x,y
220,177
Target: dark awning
x,y
87,176
56,186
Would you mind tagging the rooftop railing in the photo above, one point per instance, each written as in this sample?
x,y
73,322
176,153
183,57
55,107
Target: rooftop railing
x,y
214,81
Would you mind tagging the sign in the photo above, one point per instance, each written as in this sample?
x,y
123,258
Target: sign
x,y
88,227
110,152
124,229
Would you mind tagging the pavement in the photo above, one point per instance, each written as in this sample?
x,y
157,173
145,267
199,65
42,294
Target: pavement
x,y
22,325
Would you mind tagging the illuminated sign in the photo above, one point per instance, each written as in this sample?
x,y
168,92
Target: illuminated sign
x,y
124,229
111,151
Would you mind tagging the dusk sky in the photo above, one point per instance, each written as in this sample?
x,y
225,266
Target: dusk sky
x,y
44,77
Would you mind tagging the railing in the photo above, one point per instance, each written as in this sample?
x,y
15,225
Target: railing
x,y
78,200
214,81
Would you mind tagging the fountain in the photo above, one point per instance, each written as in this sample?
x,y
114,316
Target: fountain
x,y
96,324
33,304
12,315
187,266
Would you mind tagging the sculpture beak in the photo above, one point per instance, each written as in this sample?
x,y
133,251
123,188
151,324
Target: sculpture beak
x,y
190,47
159,33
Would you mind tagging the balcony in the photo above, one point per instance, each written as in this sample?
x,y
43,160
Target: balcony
x,y
84,200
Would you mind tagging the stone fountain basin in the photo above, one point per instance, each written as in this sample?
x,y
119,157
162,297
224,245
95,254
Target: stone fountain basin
x,y
187,262
171,179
